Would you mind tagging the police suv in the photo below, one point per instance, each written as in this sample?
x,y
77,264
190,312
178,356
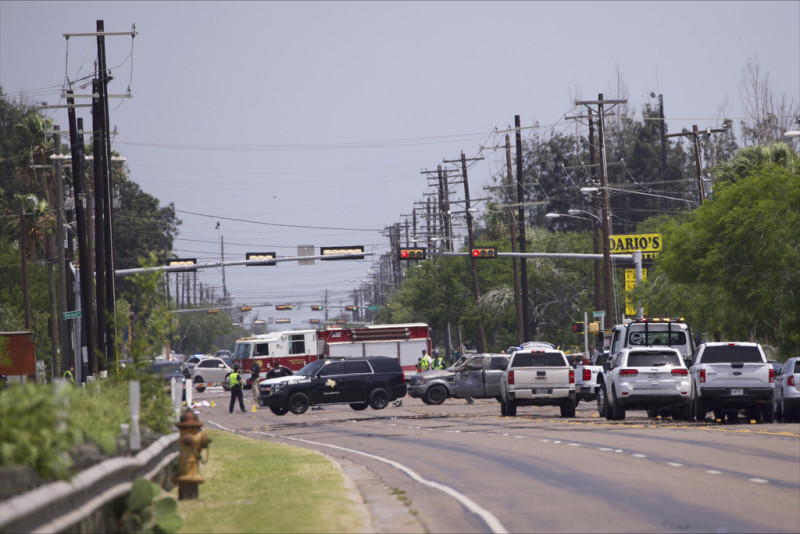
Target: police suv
x,y
360,382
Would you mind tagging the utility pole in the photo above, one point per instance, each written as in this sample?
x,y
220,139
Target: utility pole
x,y
62,279
98,150
512,224
598,268
663,130
481,334
606,214
523,271
85,273
695,133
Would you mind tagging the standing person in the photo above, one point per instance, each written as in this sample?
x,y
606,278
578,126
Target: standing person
x,y
236,389
438,361
69,375
277,371
425,361
254,379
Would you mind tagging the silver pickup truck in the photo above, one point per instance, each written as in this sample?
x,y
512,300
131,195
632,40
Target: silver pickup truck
x,y
477,376
538,376
728,377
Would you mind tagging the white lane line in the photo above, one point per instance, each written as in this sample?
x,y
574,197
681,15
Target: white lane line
x,y
674,464
491,521
713,472
639,455
759,481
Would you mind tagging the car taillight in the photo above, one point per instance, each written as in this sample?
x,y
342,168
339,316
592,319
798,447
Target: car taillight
x,y
702,376
571,376
587,375
772,376
628,372
680,372
511,377
790,381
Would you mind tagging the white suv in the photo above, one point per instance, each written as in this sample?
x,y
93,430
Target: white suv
x,y
652,379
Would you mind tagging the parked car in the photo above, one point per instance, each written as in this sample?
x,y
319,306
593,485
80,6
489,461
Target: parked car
x,y
210,371
475,377
652,379
786,394
190,363
373,381
729,377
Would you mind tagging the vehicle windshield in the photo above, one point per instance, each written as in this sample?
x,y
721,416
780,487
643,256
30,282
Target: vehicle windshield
x,y
462,363
658,337
653,359
538,359
732,354
241,351
311,368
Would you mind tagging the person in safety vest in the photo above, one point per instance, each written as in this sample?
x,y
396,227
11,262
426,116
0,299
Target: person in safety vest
x,y
69,375
425,361
235,381
438,361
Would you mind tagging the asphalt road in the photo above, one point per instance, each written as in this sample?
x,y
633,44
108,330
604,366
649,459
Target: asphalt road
x,y
464,468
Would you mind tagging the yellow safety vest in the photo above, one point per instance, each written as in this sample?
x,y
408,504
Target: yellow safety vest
x,y
234,380
68,376
438,363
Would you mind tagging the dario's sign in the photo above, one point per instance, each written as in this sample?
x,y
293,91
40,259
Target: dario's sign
x,y
649,244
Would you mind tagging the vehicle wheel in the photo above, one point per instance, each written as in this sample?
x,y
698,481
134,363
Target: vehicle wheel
x,y
358,406
436,394
280,410
601,401
699,409
262,403
503,408
298,403
379,399
609,408
618,410
511,408
777,410
199,380
767,413
568,407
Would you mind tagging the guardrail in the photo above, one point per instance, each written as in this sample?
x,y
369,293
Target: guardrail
x,y
58,506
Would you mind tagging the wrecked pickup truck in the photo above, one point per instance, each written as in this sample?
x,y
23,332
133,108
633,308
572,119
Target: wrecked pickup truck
x,y
477,376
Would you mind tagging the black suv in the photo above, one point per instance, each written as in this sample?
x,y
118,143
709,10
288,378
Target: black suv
x,y
360,382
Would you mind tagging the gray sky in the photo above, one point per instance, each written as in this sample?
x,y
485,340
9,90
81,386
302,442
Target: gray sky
x,y
323,114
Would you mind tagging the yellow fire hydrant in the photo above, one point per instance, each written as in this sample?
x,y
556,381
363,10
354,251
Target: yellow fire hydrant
x,y
191,442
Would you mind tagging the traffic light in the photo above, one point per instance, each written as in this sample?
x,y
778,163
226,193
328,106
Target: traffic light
x,y
577,328
316,307
283,321
351,308
483,252
284,307
183,262
261,256
334,251
246,308
313,321
413,253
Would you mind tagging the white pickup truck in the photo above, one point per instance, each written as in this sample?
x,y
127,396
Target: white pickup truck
x,y
653,332
587,378
729,377
538,375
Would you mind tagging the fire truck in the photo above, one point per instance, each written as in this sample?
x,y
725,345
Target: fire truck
x,y
293,349
402,341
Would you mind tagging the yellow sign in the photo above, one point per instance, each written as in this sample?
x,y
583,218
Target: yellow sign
x,y
649,244
630,283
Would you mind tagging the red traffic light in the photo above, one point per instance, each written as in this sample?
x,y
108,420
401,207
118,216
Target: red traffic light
x,y
413,253
483,252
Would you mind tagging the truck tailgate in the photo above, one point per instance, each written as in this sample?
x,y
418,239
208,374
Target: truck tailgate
x,y
737,375
530,382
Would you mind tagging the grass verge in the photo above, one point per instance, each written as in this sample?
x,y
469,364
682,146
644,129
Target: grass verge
x,y
258,486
